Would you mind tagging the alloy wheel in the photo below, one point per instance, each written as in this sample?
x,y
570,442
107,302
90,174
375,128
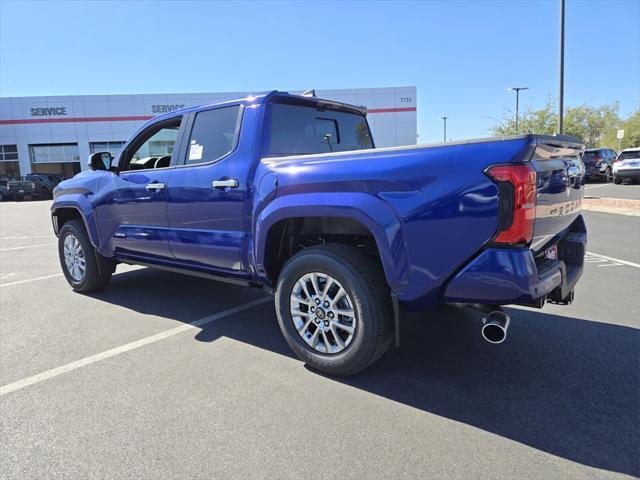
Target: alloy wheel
x,y
323,313
74,258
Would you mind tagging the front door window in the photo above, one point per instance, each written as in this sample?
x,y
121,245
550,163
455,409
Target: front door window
x,y
154,147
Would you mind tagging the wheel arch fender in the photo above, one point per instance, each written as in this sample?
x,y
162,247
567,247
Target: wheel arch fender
x,y
377,216
82,206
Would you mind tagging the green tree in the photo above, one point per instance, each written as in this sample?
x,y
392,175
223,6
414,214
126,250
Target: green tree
x,y
591,124
542,122
631,127
594,126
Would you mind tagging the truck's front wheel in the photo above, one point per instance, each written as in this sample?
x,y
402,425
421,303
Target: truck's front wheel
x,y
83,267
334,308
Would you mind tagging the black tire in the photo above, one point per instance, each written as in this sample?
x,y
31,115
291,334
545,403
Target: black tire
x,y
364,282
617,180
608,176
98,269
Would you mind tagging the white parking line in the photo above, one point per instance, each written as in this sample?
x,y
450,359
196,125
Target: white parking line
x,y
611,259
28,246
23,237
54,372
19,282
596,186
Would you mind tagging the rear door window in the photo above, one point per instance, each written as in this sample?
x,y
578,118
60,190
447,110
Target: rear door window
x,y
300,129
213,135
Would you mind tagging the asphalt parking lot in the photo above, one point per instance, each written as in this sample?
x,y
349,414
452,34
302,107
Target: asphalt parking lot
x,y
122,384
610,190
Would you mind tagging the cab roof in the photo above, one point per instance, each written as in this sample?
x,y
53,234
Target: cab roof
x,y
273,96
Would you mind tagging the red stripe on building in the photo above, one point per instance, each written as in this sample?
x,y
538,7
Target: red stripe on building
x,y
391,110
24,121
75,120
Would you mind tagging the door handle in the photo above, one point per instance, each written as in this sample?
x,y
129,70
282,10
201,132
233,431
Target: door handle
x,y
155,186
228,183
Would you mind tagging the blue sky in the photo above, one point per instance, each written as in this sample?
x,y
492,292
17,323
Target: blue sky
x,y
462,55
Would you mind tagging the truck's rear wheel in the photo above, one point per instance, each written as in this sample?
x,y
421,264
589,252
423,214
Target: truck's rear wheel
x,y
84,268
334,308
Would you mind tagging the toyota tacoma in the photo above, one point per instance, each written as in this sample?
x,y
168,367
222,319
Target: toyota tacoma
x,y
288,193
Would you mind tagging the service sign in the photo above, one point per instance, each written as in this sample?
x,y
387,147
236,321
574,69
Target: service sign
x,y
48,111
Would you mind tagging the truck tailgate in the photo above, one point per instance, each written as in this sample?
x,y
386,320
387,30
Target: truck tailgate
x,y
560,187
539,255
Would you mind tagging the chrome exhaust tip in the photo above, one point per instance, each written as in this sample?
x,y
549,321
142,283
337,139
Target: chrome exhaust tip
x,y
494,326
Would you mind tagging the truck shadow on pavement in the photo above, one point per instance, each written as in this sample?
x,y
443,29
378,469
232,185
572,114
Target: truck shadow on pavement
x,y
562,385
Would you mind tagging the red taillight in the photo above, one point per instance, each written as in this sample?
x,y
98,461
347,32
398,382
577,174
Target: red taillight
x,y
517,202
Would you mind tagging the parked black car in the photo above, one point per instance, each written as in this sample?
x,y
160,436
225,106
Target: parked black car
x,y
598,163
4,189
33,186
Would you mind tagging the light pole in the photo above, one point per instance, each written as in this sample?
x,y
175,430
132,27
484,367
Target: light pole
x,y
517,90
561,101
444,136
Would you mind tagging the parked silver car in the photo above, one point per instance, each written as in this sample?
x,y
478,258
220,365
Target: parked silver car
x,y
627,166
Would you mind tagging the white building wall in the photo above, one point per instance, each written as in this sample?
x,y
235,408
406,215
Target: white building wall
x,y
101,118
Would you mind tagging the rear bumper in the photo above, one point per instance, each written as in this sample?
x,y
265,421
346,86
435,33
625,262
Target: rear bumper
x,y
14,195
593,172
513,276
627,173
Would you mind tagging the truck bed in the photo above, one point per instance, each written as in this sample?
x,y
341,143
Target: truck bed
x,y
442,197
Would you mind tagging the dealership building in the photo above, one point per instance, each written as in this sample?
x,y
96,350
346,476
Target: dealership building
x,y
56,135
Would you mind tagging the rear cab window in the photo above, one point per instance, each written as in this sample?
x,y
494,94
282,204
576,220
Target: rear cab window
x,y
300,129
635,154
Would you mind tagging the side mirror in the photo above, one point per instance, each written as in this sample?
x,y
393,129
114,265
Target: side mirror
x,y
100,161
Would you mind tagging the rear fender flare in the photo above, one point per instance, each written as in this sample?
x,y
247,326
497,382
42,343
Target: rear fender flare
x,y
376,215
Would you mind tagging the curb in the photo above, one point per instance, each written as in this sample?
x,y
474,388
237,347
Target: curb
x,y
616,206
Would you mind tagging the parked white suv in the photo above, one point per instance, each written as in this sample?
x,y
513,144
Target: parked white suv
x,y
627,165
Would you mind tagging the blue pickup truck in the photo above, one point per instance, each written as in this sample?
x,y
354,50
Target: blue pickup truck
x,y
288,193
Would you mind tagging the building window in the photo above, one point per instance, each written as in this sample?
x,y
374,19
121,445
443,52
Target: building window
x,y
8,153
9,170
54,153
112,147
161,147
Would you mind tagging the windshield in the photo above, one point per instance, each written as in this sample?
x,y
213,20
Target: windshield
x,y
299,130
628,155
